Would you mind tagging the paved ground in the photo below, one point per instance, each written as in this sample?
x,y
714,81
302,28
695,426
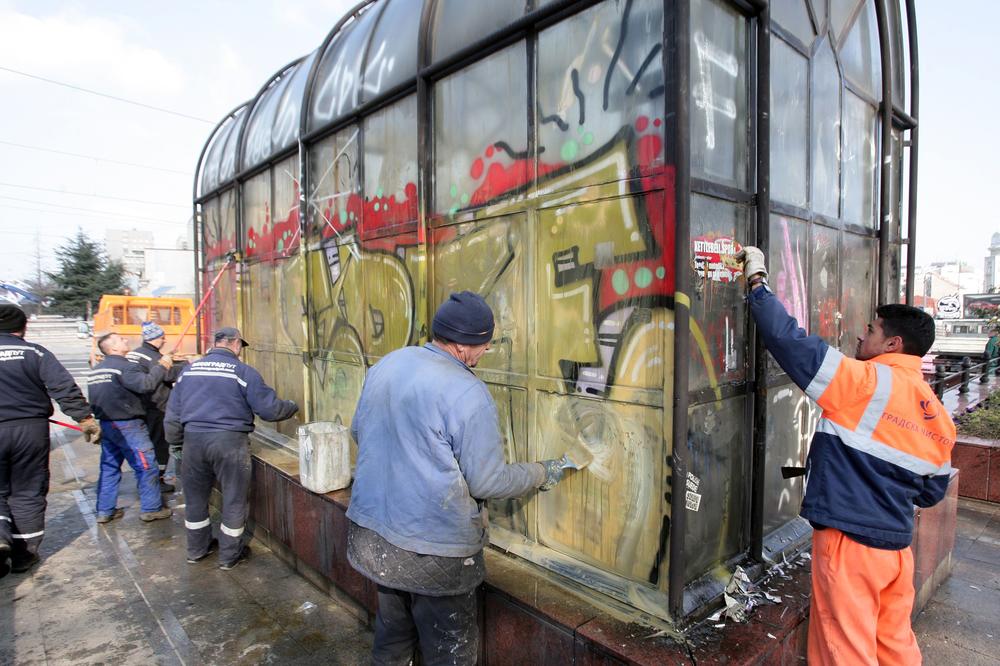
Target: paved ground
x,y
123,593
961,624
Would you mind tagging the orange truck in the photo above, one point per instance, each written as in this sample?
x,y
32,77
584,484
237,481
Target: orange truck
x,y
124,315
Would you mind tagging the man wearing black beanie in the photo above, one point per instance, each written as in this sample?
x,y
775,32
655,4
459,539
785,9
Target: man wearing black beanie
x,y
30,378
429,456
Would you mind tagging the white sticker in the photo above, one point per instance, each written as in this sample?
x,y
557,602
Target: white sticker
x,y
692,500
693,482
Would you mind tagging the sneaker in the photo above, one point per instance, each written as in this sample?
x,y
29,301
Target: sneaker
x,y
117,513
20,565
242,557
150,516
212,547
166,487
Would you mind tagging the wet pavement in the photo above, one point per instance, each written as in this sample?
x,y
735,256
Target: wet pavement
x,y
124,593
961,624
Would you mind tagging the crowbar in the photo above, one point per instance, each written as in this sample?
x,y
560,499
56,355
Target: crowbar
x,y
230,256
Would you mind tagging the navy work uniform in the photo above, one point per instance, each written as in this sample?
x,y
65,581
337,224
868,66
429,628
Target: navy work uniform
x,y
30,378
211,409
155,403
116,387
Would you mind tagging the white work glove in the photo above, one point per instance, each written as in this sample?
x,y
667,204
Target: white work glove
x,y
753,261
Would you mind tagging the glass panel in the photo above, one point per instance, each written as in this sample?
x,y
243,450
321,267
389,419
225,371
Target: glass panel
x,y
899,60
213,159
717,489
393,273
259,304
860,53
512,411
286,230
609,514
390,166
488,258
336,303
841,12
220,308
482,146
789,134
718,93
287,307
257,216
860,158
825,289
227,215
826,133
118,315
858,286
460,23
287,116
257,145
791,421
211,226
337,89
392,53
718,312
288,384
793,16
604,272
227,167
789,264
336,387
600,90
335,178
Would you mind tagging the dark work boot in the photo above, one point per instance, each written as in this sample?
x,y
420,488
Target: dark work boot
x,y
23,563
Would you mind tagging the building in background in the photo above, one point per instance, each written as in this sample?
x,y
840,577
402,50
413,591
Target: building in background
x,y
991,266
152,270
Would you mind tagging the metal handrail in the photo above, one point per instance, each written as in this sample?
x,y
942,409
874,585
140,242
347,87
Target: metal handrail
x,y
943,381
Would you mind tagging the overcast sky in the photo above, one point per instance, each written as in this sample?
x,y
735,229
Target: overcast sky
x,y
202,59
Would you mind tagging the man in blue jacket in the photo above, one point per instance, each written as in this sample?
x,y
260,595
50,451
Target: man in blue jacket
x,y
115,386
147,355
211,411
429,456
882,445
30,378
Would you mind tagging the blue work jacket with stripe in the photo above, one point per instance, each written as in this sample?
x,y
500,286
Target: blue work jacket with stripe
x,y
220,392
115,387
429,454
883,443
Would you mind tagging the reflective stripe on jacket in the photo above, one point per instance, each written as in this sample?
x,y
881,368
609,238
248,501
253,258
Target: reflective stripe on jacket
x,y
884,440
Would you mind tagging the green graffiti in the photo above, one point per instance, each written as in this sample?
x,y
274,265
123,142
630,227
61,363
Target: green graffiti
x,y
619,281
643,277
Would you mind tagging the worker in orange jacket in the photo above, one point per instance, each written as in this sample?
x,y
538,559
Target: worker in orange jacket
x,y
883,445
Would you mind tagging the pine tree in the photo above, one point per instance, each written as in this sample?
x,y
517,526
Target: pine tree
x,y
85,273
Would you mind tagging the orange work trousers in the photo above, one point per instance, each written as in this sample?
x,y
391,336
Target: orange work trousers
x,y
861,603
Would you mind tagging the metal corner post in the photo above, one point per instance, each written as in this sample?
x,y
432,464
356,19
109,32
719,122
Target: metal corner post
x,y
911,208
885,177
678,40
762,118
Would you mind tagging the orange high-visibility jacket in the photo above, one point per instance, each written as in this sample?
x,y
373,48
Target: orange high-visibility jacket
x,y
883,443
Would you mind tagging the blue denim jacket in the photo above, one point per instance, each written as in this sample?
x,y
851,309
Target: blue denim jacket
x,y
429,447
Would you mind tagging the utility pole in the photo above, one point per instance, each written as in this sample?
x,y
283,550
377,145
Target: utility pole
x,y
38,260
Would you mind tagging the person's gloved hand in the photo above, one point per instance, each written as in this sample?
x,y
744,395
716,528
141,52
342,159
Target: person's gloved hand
x,y
91,429
753,261
167,361
553,473
177,452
